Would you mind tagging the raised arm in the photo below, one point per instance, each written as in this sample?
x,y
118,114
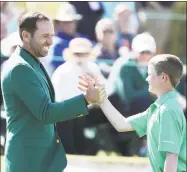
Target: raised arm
x,y
136,122
27,86
119,122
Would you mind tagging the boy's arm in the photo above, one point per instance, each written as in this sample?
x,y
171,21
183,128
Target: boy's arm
x,y
171,162
119,122
136,122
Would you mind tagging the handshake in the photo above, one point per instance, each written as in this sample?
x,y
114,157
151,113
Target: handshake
x,y
95,92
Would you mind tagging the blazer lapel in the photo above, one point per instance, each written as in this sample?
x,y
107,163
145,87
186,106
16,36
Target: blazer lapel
x,y
48,82
38,67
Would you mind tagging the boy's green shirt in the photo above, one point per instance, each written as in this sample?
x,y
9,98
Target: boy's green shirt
x,y
165,126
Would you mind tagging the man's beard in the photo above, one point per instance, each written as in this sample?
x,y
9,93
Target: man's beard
x,y
81,61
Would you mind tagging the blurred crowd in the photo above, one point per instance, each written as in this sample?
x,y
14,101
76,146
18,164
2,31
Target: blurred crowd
x,y
110,40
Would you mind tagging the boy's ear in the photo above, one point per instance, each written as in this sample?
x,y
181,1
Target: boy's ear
x,y
165,76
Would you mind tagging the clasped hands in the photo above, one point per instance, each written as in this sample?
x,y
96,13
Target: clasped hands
x,y
94,91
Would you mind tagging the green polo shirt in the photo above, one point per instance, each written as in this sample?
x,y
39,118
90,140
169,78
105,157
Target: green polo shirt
x,y
165,125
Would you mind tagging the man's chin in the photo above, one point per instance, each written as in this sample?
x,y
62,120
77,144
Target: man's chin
x,y
43,55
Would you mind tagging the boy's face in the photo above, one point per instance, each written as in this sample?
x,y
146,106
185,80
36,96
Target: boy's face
x,y
155,81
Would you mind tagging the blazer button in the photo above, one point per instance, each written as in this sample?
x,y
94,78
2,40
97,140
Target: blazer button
x,y
57,141
80,115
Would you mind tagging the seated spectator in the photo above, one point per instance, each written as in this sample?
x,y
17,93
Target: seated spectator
x,y
66,29
123,17
80,57
106,36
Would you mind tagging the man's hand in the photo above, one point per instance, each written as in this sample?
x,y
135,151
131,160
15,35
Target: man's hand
x,y
94,92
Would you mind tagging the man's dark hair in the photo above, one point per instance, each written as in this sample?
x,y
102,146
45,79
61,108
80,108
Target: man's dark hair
x,y
28,22
170,65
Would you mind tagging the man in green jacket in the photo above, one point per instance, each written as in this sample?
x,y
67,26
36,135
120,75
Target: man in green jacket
x,y
32,143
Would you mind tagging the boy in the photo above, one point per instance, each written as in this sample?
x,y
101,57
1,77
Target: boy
x,y
163,122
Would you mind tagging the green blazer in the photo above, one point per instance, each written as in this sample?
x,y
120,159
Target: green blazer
x,y
32,144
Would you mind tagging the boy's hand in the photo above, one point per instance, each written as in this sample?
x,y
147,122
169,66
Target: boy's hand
x,y
95,93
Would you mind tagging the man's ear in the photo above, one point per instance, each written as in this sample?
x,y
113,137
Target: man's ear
x,y
26,36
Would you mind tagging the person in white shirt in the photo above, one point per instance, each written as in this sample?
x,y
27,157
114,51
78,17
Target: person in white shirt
x,y
79,57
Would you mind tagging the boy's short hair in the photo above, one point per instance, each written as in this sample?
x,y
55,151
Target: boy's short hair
x,y
170,65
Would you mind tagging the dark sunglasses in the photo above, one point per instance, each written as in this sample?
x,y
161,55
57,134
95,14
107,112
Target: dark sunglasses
x,y
108,31
146,52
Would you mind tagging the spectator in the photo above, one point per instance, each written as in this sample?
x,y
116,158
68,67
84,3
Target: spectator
x,y
123,17
80,57
66,29
128,76
106,36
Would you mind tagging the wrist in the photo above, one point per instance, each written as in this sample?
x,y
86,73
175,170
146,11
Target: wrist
x,y
103,104
86,100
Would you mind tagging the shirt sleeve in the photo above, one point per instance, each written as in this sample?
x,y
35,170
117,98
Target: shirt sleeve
x,y
170,133
139,123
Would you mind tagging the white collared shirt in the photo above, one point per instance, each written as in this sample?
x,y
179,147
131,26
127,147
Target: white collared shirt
x,y
65,79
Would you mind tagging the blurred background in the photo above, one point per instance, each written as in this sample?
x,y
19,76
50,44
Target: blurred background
x,y
124,36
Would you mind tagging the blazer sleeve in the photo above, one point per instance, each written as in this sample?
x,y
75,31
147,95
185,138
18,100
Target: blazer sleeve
x,y
27,86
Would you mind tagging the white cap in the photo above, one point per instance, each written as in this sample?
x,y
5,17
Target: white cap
x,y
9,42
144,42
67,12
80,45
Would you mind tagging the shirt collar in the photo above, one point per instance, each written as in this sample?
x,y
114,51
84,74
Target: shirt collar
x,y
27,56
165,97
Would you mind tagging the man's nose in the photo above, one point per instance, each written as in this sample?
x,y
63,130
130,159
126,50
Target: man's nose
x,y
50,40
